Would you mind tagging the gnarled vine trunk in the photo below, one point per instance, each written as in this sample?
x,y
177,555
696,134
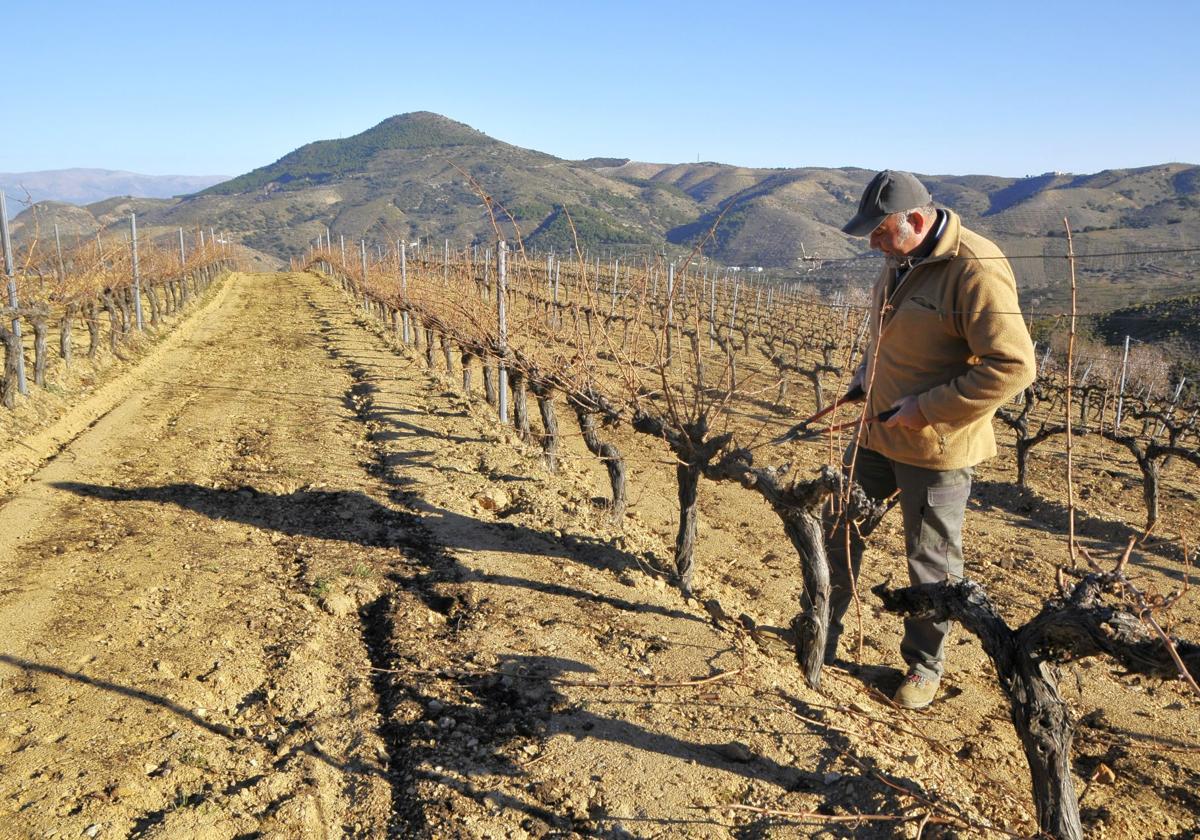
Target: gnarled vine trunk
x,y
152,295
687,479
39,319
607,452
520,403
114,320
12,350
465,359
545,400
490,391
93,326
64,334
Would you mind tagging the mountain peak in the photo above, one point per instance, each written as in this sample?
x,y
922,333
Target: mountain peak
x,y
327,160
420,130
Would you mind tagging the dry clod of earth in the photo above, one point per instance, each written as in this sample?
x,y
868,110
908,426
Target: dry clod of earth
x,y
492,499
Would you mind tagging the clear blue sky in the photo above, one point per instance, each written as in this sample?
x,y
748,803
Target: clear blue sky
x,y
936,87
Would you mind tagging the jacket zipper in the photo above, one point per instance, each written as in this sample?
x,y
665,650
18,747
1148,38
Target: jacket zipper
x,y
891,307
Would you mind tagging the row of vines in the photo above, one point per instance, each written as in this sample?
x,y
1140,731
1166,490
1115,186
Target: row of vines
x,y
712,368
102,285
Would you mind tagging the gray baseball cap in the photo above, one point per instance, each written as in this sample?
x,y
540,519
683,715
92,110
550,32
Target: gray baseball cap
x,y
889,192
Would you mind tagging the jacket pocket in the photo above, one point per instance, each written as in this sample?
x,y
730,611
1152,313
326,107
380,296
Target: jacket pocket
x,y
927,305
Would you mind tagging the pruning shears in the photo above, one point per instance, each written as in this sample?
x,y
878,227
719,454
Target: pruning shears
x,y
801,430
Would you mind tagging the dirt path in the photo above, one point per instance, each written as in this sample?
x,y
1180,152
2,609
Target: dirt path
x,y
166,672
299,586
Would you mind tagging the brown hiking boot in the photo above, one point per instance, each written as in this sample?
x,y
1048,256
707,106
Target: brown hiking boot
x,y
916,692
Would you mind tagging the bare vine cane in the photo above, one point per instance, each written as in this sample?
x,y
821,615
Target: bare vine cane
x,y
1144,606
1071,547
868,385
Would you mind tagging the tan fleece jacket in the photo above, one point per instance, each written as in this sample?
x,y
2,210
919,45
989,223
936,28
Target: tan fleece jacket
x,y
952,334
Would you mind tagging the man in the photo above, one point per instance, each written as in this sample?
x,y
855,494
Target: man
x,y
947,347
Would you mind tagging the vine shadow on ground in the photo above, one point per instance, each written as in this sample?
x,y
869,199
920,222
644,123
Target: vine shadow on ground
x,y
484,729
354,517
1037,512
233,735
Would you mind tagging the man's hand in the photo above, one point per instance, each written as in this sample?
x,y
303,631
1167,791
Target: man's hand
x,y
909,416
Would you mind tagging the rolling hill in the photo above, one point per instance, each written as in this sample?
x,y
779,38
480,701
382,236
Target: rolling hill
x,y
85,186
422,175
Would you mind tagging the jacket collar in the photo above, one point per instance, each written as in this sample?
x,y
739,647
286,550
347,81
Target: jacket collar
x,y
945,248
947,245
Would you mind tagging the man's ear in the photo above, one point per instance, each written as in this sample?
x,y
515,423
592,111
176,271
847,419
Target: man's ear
x,y
918,222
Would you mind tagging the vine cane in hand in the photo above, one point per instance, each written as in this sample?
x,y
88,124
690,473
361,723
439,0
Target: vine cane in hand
x,y
801,430
813,434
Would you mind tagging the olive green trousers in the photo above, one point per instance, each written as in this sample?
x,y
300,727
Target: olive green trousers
x,y
933,503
